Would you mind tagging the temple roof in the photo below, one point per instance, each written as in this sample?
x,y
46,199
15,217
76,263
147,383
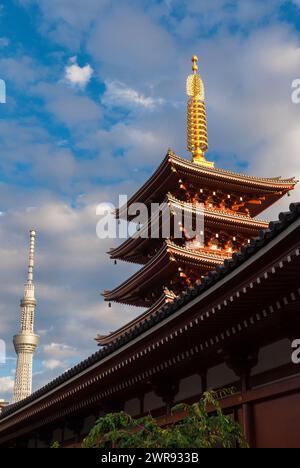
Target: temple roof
x,y
279,228
134,248
107,339
173,168
159,269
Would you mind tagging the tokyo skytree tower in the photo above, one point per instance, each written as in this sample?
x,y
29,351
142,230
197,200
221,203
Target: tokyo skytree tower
x,y
26,341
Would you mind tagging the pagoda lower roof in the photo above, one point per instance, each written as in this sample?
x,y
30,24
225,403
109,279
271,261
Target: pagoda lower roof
x,y
103,340
174,167
130,250
160,268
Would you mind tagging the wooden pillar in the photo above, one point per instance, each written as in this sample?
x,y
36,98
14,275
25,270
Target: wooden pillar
x,y
45,436
246,408
141,398
113,406
75,424
98,412
167,389
203,375
242,361
62,427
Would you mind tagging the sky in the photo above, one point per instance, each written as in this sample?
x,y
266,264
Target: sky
x,y
95,96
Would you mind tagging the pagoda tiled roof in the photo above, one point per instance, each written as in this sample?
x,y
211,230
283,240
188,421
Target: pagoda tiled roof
x,y
271,181
210,214
286,220
160,264
106,339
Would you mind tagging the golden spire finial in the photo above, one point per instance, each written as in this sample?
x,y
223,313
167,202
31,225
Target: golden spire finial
x,y
197,142
195,66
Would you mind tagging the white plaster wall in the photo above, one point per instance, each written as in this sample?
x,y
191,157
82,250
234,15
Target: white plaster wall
x,y
272,356
189,386
220,376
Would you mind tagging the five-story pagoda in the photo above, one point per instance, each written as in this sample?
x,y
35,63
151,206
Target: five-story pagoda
x,y
230,203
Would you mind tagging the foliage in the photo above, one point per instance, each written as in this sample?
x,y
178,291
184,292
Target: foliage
x,y
55,444
198,429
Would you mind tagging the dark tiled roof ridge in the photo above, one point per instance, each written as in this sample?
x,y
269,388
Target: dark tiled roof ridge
x,y
265,236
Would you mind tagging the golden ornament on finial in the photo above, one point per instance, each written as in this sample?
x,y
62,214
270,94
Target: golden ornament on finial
x,y
194,61
197,142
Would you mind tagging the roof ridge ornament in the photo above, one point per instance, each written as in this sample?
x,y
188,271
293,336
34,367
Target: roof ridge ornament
x,y
197,141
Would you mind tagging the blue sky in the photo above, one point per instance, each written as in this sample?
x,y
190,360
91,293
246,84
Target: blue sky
x,y
95,97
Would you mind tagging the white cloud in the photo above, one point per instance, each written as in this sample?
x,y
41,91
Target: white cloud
x,y
67,21
221,15
59,350
119,95
137,47
44,331
22,71
6,384
69,107
77,75
57,355
52,364
4,41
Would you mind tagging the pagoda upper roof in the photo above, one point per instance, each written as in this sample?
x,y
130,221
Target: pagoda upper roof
x,y
174,167
131,249
159,268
